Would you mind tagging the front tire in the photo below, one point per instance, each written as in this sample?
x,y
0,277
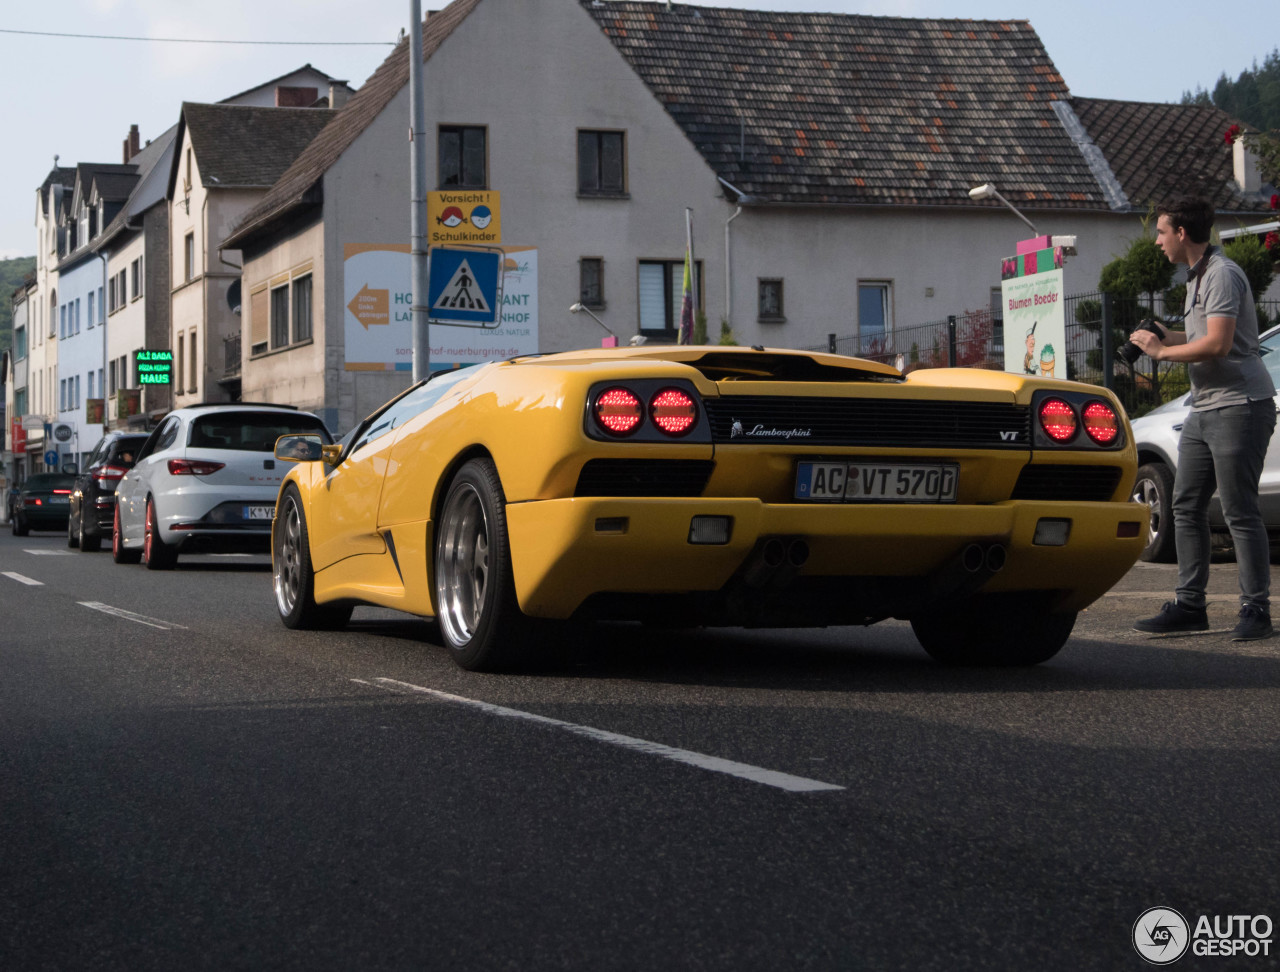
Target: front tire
x,y
293,578
1154,488
119,553
475,593
156,554
996,630
73,536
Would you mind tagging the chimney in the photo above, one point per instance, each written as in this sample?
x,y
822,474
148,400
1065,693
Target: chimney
x,y
131,147
338,94
1244,166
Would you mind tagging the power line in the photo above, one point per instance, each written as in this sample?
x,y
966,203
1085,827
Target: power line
x,y
195,40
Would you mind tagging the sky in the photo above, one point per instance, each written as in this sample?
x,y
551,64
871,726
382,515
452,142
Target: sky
x,y
77,97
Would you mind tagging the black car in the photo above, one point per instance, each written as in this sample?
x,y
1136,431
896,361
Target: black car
x,y
42,503
93,499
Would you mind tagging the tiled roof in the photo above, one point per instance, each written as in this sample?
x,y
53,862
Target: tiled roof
x,y
114,186
296,186
242,146
849,109
1161,150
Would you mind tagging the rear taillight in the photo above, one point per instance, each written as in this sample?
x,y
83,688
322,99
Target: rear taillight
x,y
1101,423
106,475
1058,419
673,411
193,467
618,411
62,492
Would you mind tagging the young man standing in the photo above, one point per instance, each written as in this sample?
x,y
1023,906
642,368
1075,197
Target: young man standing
x,y
1224,439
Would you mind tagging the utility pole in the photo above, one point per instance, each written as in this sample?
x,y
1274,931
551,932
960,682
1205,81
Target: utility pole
x,y
418,202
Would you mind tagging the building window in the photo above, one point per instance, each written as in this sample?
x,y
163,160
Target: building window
x,y
90,384
302,309
591,281
661,291
102,307
601,163
193,383
77,314
462,156
179,359
92,318
62,322
874,318
280,317
769,299
76,383
135,271
190,264
19,344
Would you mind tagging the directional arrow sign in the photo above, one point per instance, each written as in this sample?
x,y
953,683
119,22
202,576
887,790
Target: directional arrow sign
x,y
462,286
371,306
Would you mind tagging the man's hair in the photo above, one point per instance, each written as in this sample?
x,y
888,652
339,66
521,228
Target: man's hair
x,y
1192,213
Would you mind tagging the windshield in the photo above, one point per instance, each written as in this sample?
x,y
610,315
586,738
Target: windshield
x,y
42,481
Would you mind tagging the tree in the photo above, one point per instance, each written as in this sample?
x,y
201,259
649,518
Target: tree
x,y
1143,270
1257,263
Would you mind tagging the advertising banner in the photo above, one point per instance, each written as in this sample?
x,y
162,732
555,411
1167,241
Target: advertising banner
x,y
378,319
1035,322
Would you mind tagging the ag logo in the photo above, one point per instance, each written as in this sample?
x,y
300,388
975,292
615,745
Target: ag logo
x,y
1161,936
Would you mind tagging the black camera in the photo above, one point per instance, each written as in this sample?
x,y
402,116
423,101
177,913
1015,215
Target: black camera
x,y
1129,351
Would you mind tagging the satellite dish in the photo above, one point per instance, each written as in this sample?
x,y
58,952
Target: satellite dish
x,y
233,297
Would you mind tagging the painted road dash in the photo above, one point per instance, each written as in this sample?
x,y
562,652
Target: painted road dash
x,y
781,781
130,616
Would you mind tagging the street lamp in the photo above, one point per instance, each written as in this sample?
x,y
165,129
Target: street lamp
x,y
988,191
580,308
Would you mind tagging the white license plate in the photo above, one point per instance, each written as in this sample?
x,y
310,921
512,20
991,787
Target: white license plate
x,y
58,500
878,482
259,512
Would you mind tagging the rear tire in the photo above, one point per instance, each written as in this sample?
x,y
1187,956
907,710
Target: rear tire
x,y
995,630
475,594
292,576
1154,488
156,554
89,543
20,528
119,553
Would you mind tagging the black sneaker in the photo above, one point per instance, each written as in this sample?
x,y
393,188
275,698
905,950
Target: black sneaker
x,y
1255,624
1175,619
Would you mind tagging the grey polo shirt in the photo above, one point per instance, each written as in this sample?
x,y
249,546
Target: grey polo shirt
x,y
1217,287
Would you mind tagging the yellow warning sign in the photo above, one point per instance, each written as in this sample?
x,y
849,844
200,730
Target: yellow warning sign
x,y
467,216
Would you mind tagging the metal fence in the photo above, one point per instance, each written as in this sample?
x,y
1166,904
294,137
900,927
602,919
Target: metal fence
x,y
1097,325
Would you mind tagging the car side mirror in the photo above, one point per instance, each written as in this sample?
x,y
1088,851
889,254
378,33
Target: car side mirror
x,y
299,448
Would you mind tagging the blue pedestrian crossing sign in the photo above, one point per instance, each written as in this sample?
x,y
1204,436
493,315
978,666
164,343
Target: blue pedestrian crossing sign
x,y
464,286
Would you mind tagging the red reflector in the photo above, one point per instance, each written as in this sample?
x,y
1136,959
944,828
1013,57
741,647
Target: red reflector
x,y
193,467
1101,423
1058,420
673,411
618,411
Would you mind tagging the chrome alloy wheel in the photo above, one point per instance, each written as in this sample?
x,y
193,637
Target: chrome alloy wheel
x,y
462,565
1146,492
287,559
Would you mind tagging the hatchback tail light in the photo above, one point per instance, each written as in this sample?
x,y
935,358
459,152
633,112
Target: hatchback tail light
x,y
1058,419
673,411
618,411
193,467
1101,423
62,492
106,475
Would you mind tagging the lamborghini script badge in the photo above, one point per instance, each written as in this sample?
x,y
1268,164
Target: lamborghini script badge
x,y
763,432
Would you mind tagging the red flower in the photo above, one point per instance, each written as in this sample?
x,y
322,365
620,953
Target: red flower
x,y
1275,201
1272,242
1232,134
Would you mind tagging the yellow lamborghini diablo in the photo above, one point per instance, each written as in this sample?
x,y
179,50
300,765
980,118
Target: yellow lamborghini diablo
x,y
717,486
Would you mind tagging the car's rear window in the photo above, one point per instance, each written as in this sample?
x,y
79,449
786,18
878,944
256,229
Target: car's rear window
x,y
250,431
51,481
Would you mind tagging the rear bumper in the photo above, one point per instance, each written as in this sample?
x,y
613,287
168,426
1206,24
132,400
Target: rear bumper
x,y
565,551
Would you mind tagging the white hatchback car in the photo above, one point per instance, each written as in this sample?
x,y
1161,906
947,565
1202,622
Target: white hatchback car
x,y
1156,435
205,480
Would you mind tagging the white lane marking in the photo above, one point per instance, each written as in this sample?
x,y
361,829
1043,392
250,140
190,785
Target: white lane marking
x,y
23,579
782,781
130,616
50,553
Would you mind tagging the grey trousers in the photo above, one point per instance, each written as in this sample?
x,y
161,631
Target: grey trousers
x,y
1223,448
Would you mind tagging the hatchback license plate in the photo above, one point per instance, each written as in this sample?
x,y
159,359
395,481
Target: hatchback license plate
x,y
877,482
259,512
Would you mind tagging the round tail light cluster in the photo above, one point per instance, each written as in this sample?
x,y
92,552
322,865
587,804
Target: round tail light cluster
x,y
1061,423
620,412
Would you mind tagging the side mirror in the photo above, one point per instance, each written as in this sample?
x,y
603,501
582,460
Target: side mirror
x,y
299,448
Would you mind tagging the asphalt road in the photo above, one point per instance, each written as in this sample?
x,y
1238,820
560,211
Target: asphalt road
x,y
190,785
